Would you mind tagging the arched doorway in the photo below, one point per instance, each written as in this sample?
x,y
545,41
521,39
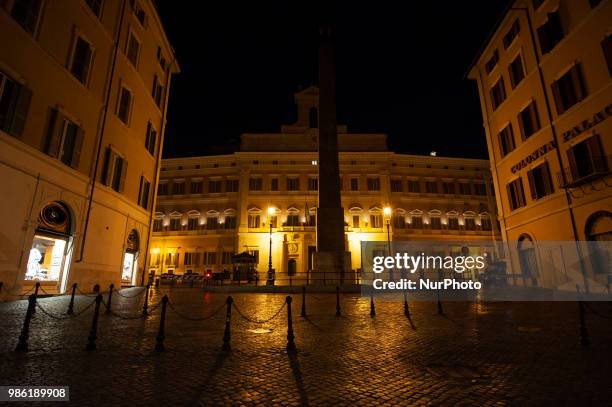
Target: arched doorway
x,y
527,259
130,259
598,230
51,251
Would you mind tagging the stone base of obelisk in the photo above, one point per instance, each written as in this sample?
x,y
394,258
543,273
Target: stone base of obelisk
x,y
333,268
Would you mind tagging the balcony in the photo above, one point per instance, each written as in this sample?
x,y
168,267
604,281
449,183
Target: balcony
x,y
584,173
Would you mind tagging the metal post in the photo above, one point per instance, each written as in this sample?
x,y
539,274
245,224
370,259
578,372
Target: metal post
x,y
290,337
22,345
71,305
270,276
161,333
391,276
372,308
110,299
145,307
303,313
228,319
91,339
96,288
584,333
338,301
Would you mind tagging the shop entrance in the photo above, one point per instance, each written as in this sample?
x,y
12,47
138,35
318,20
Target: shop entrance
x,y
130,259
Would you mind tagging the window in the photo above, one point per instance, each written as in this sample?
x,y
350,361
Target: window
x,y
516,194
569,89
399,221
551,32
175,224
140,14
211,258
293,220
354,184
313,184
133,49
506,140
158,225
143,192
435,222
373,184
150,139
587,158
449,187
196,187
27,14
14,105
192,259
64,139
230,222
226,257
193,223
311,220
162,189
81,60
313,119
115,170
485,223
465,189
95,6
498,93
376,221
160,58
516,72
492,62
255,253
124,105
274,184
540,183
453,223
157,91
417,222
606,45
511,34
396,185
431,187
214,186
480,189
212,223
253,221
356,221
293,184
529,120
255,184
178,188
231,185
172,259
413,186
470,224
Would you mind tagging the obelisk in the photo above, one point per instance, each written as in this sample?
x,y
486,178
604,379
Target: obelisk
x,y
331,259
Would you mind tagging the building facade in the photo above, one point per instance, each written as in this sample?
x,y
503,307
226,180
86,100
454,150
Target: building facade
x,y
546,98
212,207
83,92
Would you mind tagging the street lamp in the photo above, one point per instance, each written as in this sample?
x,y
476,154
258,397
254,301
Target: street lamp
x,y
270,281
387,212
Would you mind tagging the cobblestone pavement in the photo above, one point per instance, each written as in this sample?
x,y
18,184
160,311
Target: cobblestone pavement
x,y
477,354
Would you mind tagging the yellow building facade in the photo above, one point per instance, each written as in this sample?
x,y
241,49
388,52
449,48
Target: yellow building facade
x,y
544,78
212,207
83,92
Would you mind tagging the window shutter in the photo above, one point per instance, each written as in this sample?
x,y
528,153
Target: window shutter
x,y
572,162
521,125
106,173
176,259
54,133
547,179
578,81
532,188
140,189
557,97
19,114
599,163
78,145
196,260
124,165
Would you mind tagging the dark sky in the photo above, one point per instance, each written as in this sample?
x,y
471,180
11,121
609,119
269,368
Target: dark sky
x,y
399,71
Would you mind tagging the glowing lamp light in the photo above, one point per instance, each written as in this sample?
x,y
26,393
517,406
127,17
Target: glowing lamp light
x,y
314,162
271,211
155,250
387,211
202,221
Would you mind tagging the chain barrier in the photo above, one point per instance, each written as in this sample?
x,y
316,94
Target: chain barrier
x,y
21,295
181,315
61,317
596,312
131,296
260,321
94,295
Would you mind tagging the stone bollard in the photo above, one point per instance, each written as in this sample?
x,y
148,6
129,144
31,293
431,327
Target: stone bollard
x,y
110,298
161,333
93,332
22,345
338,301
157,283
290,337
372,308
37,286
71,305
303,313
145,307
228,318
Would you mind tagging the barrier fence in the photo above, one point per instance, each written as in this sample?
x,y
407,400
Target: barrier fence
x,y
584,308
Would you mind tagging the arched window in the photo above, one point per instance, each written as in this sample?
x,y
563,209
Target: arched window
x,y
598,229
313,118
527,258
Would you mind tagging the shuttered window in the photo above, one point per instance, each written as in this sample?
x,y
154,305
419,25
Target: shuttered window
x,y
516,194
143,192
540,183
569,89
529,120
64,139
115,170
81,60
14,105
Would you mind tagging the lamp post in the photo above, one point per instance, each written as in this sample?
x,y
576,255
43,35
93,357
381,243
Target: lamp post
x,y
270,281
387,212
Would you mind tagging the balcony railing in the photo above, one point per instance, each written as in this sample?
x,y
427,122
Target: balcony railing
x,y
600,168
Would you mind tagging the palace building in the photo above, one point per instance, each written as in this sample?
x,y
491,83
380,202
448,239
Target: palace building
x,y
83,92
544,78
210,208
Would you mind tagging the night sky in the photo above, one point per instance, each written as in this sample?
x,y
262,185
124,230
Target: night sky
x,y
399,71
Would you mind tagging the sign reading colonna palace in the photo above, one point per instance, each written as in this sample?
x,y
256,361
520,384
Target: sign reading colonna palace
x,y
210,208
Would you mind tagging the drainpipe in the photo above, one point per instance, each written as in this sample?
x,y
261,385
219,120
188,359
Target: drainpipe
x,y
157,170
101,138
